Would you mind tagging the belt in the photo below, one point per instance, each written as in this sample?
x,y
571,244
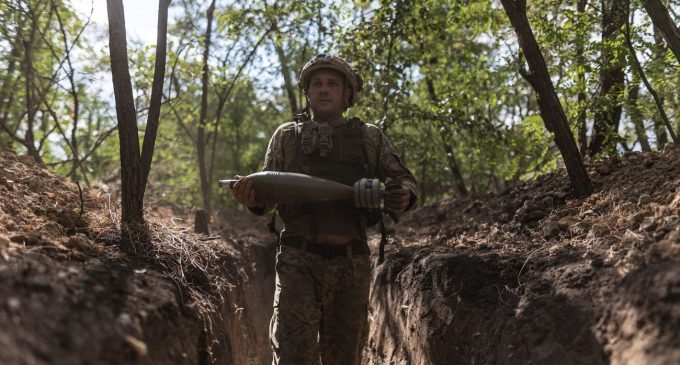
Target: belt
x,y
355,247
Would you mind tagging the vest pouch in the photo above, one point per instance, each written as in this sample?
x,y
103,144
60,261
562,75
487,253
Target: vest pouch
x,y
345,162
352,148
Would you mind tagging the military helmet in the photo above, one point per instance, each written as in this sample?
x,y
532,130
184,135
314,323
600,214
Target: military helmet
x,y
326,61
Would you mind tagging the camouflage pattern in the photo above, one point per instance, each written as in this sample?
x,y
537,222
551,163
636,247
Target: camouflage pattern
x,y
320,304
320,308
282,148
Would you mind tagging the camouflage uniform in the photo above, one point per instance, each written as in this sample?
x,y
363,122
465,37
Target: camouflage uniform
x,y
321,303
319,300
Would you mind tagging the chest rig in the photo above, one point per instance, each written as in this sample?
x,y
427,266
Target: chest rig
x,y
332,153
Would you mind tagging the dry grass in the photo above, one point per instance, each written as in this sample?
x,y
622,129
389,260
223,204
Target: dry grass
x,y
191,263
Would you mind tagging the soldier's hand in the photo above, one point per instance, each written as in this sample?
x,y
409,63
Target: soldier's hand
x,y
244,192
397,197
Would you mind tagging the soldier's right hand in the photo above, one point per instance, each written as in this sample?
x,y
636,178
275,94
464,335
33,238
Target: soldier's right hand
x,y
244,192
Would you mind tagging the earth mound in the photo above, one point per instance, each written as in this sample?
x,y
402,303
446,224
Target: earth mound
x,y
72,293
530,275
535,276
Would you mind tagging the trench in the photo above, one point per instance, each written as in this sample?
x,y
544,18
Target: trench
x,y
429,305
435,306
479,286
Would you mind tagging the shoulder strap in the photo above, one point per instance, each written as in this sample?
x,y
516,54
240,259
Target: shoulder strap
x,y
299,160
372,161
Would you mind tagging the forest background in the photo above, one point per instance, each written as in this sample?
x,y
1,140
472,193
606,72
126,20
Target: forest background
x,y
447,81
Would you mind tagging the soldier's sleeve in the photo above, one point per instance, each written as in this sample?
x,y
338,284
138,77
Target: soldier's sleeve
x,y
273,161
273,158
390,165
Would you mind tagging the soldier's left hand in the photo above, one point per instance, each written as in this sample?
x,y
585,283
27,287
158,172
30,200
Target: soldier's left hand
x,y
397,198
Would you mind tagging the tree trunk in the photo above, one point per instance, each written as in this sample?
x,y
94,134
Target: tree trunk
x,y
201,221
549,104
73,91
608,117
581,82
8,80
153,118
424,183
134,168
448,146
30,82
131,196
660,132
658,100
635,114
200,135
662,20
285,71
225,95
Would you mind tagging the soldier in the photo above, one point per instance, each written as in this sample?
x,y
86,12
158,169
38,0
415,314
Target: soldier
x,y
323,270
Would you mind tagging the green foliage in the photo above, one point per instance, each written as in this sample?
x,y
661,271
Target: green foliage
x,y
439,75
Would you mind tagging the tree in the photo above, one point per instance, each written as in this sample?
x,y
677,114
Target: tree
x,y
635,113
440,77
43,39
200,135
551,109
581,77
134,167
608,111
285,71
662,20
448,145
638,68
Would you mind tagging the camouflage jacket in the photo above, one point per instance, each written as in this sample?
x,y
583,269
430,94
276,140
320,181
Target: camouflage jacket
x,y
382,157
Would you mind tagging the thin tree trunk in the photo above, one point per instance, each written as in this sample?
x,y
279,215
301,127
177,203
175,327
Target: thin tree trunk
x,y
73,91
131,196
662,20
30,86
424,183
153,117
658,53
608,118
91,150
285,71
200,136
658,100
386,123
635,114
134,167
660,132
581,82
226,95
8,80
551,110
448,148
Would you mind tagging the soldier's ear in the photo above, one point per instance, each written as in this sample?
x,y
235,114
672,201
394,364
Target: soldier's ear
x,y
347,95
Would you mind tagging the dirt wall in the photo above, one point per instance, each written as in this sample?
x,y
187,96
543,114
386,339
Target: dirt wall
x,y
530,275
534,276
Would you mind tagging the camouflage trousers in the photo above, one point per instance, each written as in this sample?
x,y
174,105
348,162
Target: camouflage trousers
x,y
320,308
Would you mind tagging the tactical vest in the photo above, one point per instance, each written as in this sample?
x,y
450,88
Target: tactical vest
x,y
333,153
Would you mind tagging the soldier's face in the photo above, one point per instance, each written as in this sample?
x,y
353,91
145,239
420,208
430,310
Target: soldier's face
x,y
327,94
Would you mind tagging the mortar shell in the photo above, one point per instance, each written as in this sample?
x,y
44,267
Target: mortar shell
x,y
289,187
